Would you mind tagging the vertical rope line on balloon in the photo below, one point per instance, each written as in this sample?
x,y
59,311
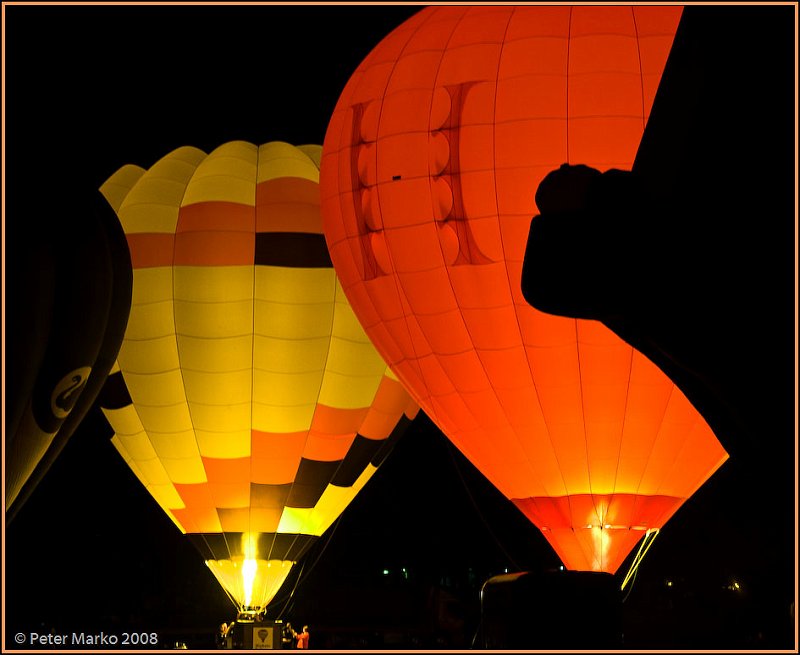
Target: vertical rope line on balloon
x,y
437,421
253,346
334,309
583,423
401,294
577,346
514,13
657,437
349,238
303,528
566,78
639,56
622,433
631,350
180,369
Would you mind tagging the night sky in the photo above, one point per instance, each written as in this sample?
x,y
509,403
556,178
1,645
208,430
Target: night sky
x,y
89,89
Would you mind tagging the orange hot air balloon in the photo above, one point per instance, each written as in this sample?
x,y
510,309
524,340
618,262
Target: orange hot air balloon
x,y
247,398
430,164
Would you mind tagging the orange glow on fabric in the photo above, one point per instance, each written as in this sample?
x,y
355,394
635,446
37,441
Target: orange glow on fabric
x,y
430,164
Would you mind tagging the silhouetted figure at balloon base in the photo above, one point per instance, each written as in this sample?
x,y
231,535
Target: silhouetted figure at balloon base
x,y
288,636
551,610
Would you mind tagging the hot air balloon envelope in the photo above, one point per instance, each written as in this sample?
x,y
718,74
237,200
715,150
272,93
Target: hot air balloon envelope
x,y
430,165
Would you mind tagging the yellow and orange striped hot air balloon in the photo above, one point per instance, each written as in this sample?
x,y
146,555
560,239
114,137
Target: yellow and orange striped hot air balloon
x,y
430,165
247,398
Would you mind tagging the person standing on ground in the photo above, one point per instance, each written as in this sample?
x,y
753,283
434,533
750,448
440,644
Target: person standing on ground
x,y
302,638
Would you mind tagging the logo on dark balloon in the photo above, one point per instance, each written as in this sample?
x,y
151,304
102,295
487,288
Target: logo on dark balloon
x,y
67,391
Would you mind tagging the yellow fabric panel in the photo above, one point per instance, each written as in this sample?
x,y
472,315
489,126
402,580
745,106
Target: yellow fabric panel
x,y
151,285
298,520
157,389
302,286
313,152
217,389
316,520
231,444
138,447
289,356
124,420
153,471
227,174
356,358
152,204
216,418
167,497
346,325
214,320
213,283
149,356
115,441
286,390
279,159
179,445
185,471
153,320
173,418
230,354
293,321
348,391
116,187
269,418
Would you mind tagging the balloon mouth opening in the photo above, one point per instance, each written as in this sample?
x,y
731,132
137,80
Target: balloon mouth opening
x,y
251,583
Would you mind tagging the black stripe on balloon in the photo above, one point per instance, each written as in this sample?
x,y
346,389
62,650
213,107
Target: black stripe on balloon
x,y
365,451
387,444
269,496
114,394
271,545
356,460
292,250
310,482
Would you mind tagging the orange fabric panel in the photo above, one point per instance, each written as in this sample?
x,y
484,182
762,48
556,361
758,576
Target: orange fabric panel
x,y
389,397
597,532
200,514
276,456
198,519
288,204
337,421
328,447
275,469
226,471
150,250
216,216
235,520
214,248
264,520
231,495
378,425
